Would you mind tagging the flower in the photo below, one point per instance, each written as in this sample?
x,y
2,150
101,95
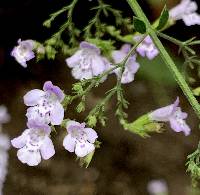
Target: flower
x,y
4,116
186,10
4,146
191,19
4,142
79,139
87,62
157,187
173,115
24,51
146,48
45,105
131,66
34,144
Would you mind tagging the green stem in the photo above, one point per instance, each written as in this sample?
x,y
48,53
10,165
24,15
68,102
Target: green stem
x,y
182,45
171,39
166,58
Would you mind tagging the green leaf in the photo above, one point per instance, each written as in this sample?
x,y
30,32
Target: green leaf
x,y
197,42
196,91
81,107
85,161
163,18
139,25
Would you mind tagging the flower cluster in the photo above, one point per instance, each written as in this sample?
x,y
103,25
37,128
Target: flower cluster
x,y
173,115
186,11
35,144
87,63
4,146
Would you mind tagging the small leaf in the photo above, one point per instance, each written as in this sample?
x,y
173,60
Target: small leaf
x,y
163,18
85,161
139,25
196,91
197,42
81,107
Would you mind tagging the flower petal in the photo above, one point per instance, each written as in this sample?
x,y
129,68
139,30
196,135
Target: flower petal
x,y
191,19
73,124
98,65
57,114
69,143
74,60
32,97
84,148
90,46
152,54
80,74
118,56
21,140
35,124
47,148
4,116
48,86
180,125
31,158
4,142
92,135
126,48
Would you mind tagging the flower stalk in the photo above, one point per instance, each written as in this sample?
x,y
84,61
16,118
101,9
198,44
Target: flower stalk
x,y
166,58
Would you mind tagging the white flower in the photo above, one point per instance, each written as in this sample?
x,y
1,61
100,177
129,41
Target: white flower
x,y
157,187
87,62
24,51
79,139
34,144
186,11
4,146
45,105
131,66
146,48
4,116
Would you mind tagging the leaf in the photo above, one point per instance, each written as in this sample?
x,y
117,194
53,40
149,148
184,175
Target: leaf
x,y
139,25
197,42
196,91
163,18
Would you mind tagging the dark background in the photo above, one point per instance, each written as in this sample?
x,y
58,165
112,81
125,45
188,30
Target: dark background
x,y
125,163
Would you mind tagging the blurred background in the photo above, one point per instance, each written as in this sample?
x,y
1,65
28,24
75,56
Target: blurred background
x,y
125,163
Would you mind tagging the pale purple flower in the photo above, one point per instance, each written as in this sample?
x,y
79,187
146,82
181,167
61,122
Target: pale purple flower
x,y
87,62
186,10
131,66
34,144
191,19
79,139
146,48
4,147
45,105
4,142
4,115
157,187
173,115
24,51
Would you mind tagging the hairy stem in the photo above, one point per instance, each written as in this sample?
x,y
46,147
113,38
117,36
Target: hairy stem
x,y
166,58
